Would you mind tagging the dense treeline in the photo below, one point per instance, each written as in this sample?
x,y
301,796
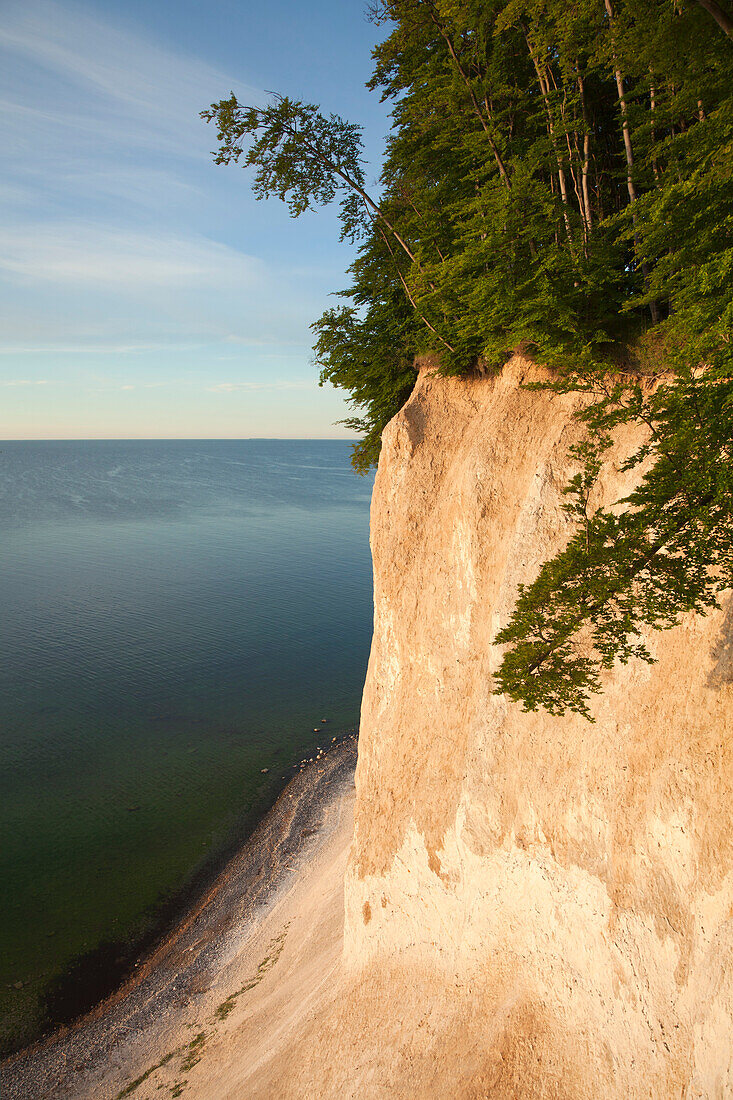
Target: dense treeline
x,y
558,175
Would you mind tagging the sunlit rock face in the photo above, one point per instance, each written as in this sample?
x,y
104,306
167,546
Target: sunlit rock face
x,y
535,906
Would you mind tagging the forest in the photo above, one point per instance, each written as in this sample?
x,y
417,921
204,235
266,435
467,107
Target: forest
x,y
558,177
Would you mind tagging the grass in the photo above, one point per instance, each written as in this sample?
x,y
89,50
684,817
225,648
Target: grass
x,y
227,1006
193,1051
129,1089
274,952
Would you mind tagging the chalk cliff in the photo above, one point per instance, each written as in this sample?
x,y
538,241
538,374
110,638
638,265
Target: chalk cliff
x,y
535,906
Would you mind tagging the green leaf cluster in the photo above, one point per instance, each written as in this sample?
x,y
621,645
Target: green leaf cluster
x,y
665,549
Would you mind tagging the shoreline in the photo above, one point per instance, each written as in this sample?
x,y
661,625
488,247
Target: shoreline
x,y
176,970
94,978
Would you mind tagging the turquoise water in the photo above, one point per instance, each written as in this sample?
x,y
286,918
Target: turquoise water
x,y
176,617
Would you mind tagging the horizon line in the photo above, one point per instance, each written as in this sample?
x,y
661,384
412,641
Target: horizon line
x,y
181,439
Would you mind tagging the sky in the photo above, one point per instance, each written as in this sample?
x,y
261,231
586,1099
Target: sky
x,y
144,292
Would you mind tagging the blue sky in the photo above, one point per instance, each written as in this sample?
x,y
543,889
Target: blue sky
x,y
143,291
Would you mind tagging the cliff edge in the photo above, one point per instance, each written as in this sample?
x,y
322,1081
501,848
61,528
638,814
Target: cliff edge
x,y
535,906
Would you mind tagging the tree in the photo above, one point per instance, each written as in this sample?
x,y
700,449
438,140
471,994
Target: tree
x,y
562,177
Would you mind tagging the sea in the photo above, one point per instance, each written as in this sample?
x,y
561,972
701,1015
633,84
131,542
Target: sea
x,y
181,622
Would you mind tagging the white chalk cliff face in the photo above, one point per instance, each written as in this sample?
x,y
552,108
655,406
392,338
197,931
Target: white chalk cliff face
x,y
535,906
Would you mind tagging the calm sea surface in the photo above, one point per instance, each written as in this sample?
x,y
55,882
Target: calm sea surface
x,y
174,618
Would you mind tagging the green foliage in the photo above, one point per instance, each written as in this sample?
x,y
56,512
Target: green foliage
x,y
561,176
298,155
365,358
665,549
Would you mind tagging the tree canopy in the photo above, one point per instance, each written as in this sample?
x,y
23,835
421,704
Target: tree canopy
x,y
558,175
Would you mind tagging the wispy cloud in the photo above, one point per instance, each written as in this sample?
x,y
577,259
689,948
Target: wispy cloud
x,y
75,349
127,261
98,117
106,181
97,254
106,61
25,382
234,387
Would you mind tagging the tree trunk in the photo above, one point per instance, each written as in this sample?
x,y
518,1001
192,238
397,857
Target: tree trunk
x,y
653,105
545,90
653,309
723,20
586,157
624,112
